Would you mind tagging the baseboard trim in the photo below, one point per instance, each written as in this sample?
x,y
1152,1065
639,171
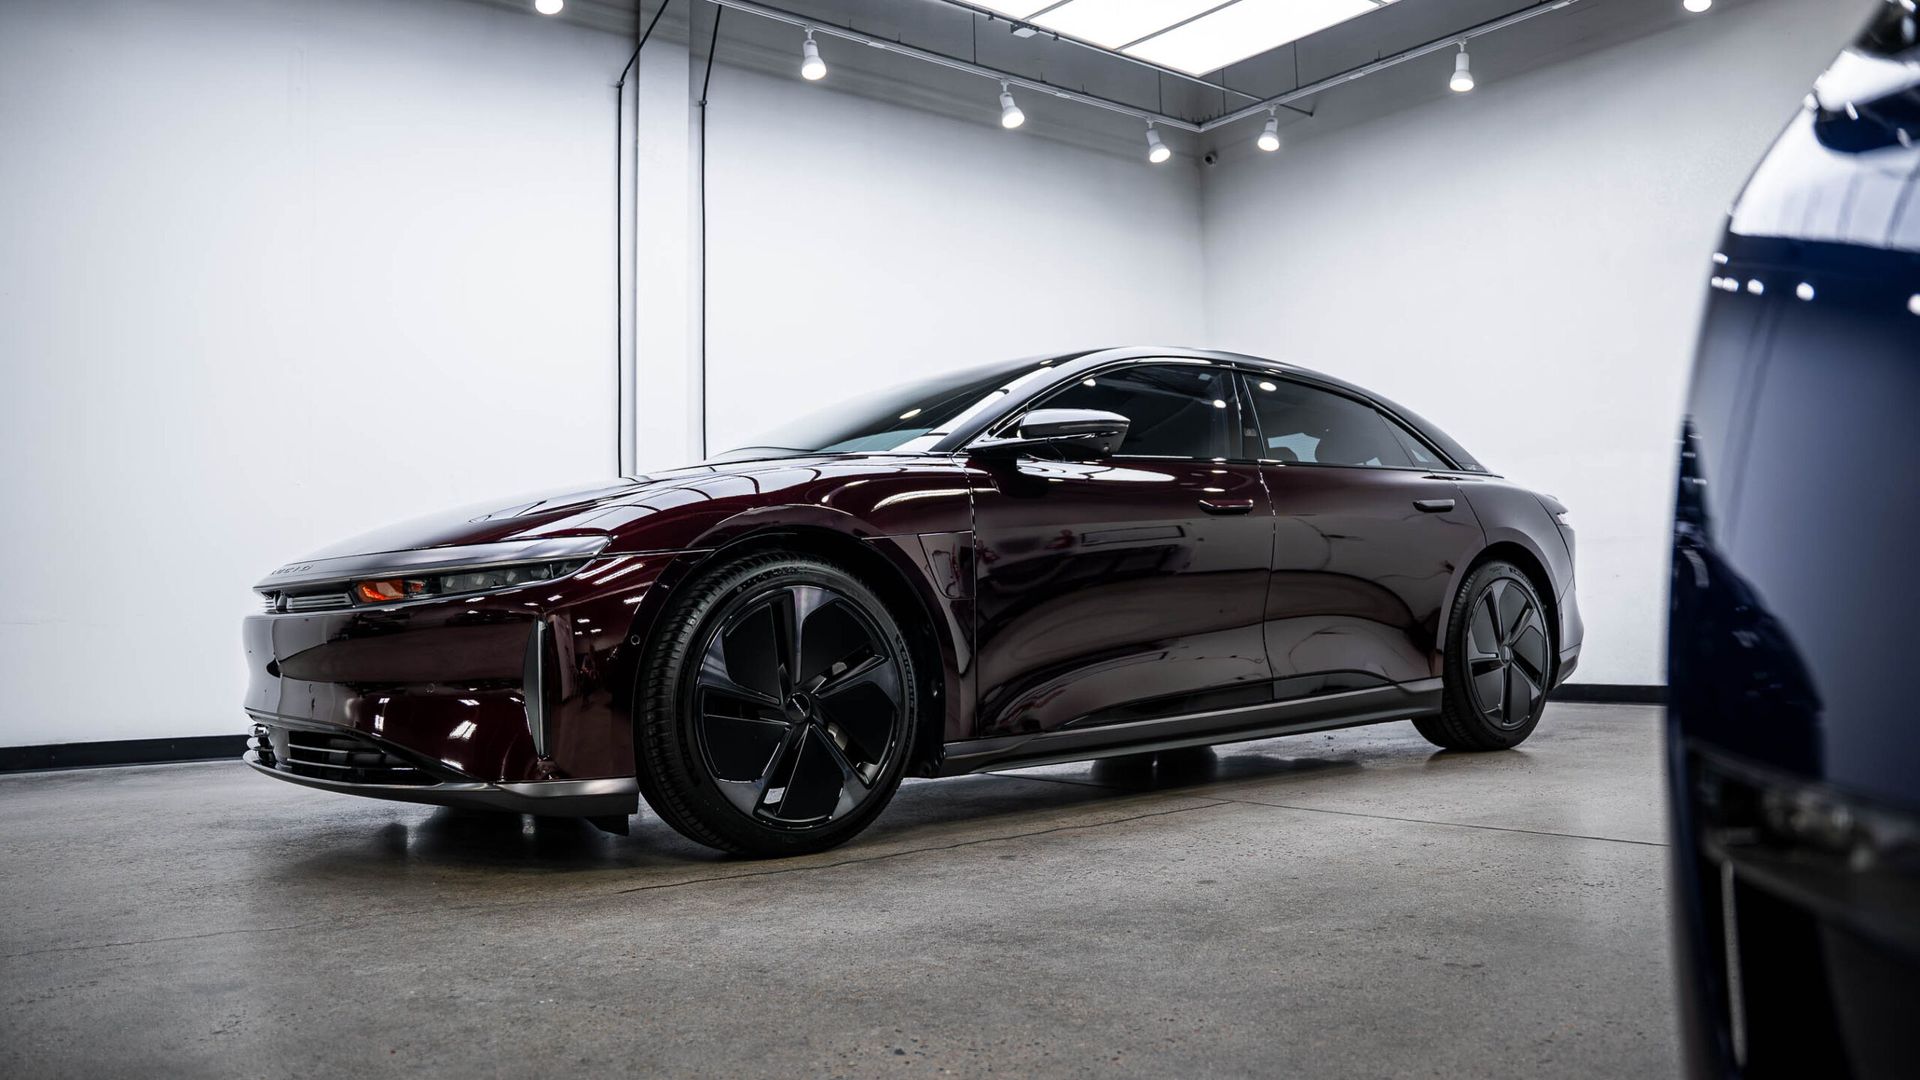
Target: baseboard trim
x,y
83,755
1611,693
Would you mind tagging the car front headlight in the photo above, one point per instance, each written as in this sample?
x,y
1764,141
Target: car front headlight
x,y
390,577
387,590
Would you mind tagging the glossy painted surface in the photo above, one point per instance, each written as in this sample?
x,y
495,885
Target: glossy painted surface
x,y
1794,757
444,678
1361,575
1515,519
1043,593
1104,583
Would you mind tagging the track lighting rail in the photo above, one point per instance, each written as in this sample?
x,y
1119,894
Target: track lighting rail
x,y
954,63
1458,37
1256,107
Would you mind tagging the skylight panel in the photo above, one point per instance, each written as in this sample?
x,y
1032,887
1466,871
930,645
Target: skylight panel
x,y
1013,9
1113,23
1243,29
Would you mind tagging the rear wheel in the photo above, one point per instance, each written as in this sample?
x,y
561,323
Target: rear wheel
x,y
1498,663
778,707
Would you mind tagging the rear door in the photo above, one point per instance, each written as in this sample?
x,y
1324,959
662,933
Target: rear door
x,y
1366,542
1130,587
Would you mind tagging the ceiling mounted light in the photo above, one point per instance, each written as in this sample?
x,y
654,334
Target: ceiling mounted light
x,y
812,68
1696,6
549,7
1269,139
1010,115
1462,80
1157,151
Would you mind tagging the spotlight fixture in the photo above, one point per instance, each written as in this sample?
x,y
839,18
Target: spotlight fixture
x,y
549,7
1462,80
1269,139
1696,6
1157,151
812,68
1010,115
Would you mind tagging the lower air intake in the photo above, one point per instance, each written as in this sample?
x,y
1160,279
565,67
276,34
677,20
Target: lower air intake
x,y
341,757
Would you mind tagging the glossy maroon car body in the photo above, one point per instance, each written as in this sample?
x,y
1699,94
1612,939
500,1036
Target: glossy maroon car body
x,y
1070,608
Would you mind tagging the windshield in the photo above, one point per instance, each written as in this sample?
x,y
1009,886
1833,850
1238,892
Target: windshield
x,y
888,420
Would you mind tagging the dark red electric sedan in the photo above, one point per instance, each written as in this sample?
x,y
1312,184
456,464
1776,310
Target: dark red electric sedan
x,y
1109,552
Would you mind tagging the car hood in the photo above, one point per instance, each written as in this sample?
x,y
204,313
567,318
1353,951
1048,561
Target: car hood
x,y
563,512
560,512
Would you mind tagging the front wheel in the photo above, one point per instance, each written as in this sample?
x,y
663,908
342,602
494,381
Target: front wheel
x,y
777,707
1498,663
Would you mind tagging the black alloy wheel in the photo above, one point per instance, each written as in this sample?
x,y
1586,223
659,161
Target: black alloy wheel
x,y
1507,653
1499,663
780,712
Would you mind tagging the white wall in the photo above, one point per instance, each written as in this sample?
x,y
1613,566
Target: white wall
x,y
852,243
1525,264
273,273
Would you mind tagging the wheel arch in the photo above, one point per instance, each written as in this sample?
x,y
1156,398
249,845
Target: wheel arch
x,y
1535,569
892,567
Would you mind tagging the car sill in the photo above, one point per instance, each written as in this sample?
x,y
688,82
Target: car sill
x,y
1351,709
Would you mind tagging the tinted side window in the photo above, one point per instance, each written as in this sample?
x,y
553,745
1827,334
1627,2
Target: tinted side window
x,y
1417,452
1174,411
1300,423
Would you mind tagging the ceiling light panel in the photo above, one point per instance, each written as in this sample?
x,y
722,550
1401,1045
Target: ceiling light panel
x,y
1113,23
1243,29
1015,9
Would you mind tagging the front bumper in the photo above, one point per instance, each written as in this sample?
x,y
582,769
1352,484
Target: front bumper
x,y
495,698
560,798
337,759
1573,634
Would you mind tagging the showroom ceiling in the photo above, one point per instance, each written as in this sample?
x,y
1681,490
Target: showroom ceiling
x,y
1106,72
1189,64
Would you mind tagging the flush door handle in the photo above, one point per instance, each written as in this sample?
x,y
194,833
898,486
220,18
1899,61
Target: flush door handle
x,y
1227,506
1433,506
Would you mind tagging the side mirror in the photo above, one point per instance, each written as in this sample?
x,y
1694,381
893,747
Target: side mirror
x,y
1077,432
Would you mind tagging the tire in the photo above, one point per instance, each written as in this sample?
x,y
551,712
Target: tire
x,y
1498,663
761,741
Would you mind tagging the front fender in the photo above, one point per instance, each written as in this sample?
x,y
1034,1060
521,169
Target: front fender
x,y
906,523
1512,516
859,497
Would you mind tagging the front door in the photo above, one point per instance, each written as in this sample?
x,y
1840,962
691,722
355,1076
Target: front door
x,y
1366,541
1129,587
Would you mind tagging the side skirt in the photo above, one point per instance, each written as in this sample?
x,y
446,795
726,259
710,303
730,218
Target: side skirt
x,y
1351,709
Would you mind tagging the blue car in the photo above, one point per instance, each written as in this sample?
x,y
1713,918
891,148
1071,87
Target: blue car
x,y
1793,733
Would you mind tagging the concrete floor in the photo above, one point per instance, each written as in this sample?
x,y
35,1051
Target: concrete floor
x,y
1349,904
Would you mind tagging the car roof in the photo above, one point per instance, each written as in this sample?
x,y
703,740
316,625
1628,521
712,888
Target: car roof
x,y
1069,362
